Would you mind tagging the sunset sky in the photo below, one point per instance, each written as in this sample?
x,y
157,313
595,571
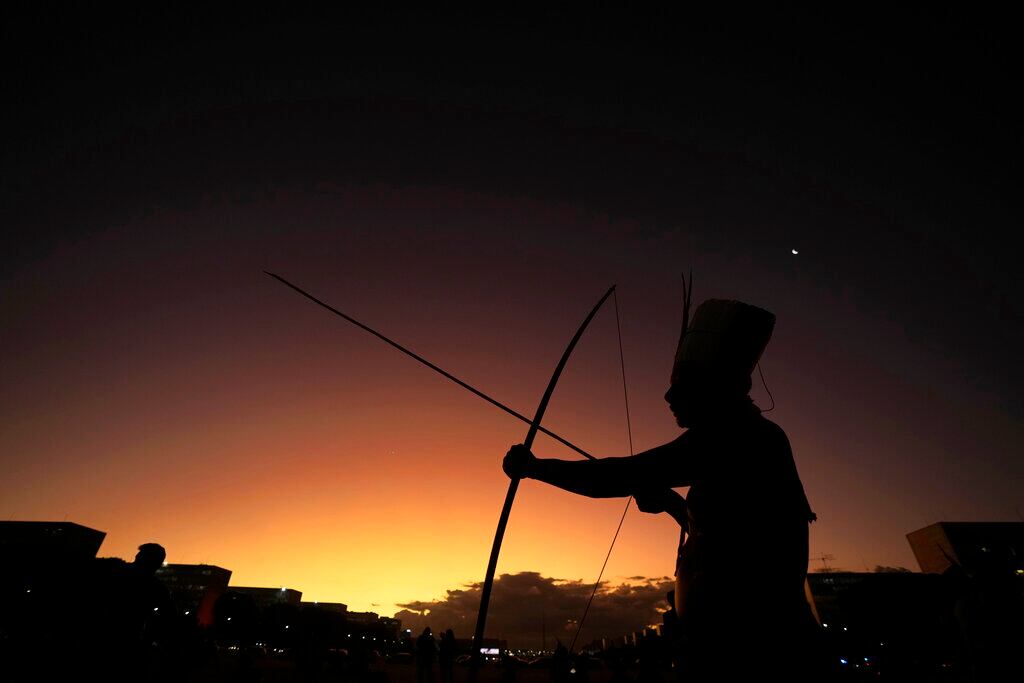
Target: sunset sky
x,y
473,202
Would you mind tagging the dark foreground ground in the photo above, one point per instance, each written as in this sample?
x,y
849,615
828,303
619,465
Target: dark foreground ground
x,y
271,670
232,666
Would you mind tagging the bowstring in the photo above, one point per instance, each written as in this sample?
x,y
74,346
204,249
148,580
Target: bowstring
x,y
629,434
759,371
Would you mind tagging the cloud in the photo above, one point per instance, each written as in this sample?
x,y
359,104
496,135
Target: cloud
x,y
526,606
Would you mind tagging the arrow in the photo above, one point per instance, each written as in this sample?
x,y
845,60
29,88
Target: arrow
x,y
430,365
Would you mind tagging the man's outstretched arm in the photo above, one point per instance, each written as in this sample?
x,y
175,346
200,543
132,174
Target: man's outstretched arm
x,y
653,470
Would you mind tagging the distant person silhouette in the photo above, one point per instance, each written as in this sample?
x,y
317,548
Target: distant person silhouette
x,y
116,619
509,667
742,560
615,658
143,595
446,655
579,668
560,663
426,653
649,660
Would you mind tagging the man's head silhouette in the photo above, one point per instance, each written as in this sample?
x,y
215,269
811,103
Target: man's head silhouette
x,y
150,557
718,349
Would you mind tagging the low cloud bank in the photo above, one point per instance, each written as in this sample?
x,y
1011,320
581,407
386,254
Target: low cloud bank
x,y
526,607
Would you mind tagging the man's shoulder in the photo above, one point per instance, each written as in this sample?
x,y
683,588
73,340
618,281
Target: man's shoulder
x,y
755,426
771,429
109,567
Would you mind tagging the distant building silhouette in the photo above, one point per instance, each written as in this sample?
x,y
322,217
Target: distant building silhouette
x,y
960,614
968,544
335,607
893,607
43,566
194,588
62,541
363,618
983,565
266,597
389,626
371,625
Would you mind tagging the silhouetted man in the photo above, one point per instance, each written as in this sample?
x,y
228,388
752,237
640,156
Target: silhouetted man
x,y
447,655
740,572
104,625
426,652
125,607
560,663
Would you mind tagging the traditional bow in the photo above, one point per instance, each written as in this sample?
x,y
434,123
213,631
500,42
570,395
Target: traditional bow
x,y
513,486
